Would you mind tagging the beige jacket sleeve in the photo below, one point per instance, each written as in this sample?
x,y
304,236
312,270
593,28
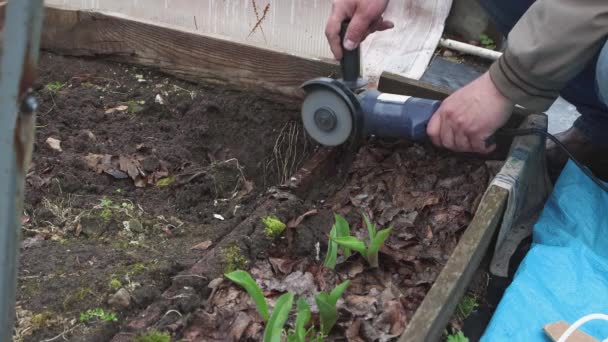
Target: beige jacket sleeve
x,y
551,44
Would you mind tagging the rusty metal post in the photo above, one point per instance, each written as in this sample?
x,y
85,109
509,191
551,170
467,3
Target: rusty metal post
x,y
22,29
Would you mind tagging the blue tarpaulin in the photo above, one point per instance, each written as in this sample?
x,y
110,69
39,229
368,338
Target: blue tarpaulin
x,y
564,276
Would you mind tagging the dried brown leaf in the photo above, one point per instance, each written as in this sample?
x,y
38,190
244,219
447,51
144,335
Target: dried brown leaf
x,y
202,246
298,282
117,109
452,182
362,306
131,166
392,320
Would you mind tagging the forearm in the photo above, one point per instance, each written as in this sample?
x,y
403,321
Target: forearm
x,y
550,45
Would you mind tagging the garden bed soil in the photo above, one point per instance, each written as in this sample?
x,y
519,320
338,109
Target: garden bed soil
x,y
145,190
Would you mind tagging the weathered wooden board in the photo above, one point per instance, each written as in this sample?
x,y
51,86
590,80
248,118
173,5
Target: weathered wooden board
x,y
178,52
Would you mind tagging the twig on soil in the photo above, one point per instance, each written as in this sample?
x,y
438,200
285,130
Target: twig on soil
x,y
169,312
53,106
191,93
179,296
62,335
286,153
190,275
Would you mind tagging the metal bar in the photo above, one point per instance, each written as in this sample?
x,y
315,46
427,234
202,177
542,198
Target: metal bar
x,y
22,29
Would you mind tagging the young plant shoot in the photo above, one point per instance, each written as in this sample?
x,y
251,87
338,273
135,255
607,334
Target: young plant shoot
x,y
339,229
275,323
369,251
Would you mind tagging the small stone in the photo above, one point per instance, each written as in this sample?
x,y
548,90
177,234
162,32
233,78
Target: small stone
x,y
121,299
448,53
54,144
88,134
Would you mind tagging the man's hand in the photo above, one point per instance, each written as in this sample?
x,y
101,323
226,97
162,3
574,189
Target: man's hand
x,y
470,116
365,18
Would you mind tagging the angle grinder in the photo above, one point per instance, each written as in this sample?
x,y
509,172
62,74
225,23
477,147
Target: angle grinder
x,y
337,111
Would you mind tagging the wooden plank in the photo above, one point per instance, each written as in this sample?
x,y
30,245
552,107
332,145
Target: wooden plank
x,y
555,330
396,84
434,313
178,52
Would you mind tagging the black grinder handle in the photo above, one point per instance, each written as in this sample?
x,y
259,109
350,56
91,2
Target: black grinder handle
x,y
351,60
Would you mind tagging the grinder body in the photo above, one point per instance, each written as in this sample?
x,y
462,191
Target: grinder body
x,y
396,116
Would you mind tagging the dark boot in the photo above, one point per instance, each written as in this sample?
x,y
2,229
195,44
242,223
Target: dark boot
x,y
593,156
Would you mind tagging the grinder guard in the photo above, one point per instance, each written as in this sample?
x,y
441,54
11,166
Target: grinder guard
x,y
344,122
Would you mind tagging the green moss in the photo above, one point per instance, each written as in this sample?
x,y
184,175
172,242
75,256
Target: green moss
x,y
77,297
137,268
30,288
120,244
153,336
274,227
115,284
54,87
135,107
40,320
233,259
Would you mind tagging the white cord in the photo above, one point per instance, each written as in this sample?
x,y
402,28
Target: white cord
x,y
580,322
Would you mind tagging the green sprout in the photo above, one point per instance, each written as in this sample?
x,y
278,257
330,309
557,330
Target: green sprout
x,y
328,311
300,332
97,313
466,306
458,337
243,279
275,321
487,42
369,251
153,336
274,227
338,230
54,87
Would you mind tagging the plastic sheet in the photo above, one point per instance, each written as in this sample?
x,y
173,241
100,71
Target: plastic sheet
x,y
565,274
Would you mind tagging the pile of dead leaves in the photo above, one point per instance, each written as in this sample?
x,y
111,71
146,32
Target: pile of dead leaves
x,y
428,198
143,170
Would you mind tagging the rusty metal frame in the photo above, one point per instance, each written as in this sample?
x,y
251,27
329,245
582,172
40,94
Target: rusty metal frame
x,y
21,43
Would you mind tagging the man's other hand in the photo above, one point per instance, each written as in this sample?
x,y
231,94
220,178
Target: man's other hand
x,y
469,116
365,18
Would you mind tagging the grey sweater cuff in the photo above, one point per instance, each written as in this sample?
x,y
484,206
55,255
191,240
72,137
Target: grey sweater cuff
x,y
517,85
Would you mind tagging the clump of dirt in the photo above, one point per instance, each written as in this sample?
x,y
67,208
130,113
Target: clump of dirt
x,y
133,174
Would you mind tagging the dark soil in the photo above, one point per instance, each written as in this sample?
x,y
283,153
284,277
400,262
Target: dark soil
x,y
89,233
161,186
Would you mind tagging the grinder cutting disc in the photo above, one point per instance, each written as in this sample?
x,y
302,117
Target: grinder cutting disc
x,y
327,114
